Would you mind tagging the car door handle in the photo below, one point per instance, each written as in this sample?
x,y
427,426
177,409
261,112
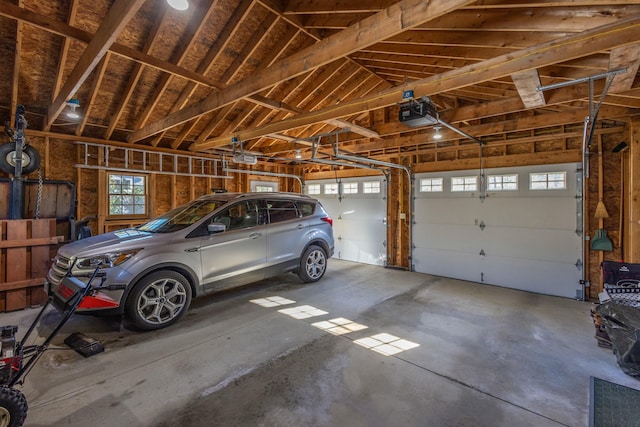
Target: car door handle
x,y
192,250
255,235
300,226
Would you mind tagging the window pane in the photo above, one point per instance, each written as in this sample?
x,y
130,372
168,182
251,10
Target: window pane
x,y
466,183
331,189
281,210
350,187
313,189
122,189
371,187
502,182
429,185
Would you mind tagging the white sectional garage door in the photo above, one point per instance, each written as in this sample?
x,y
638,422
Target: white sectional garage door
x,y
520,238
358,207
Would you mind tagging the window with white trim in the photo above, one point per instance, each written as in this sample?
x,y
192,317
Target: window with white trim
x,y
127,195
264,188
548,181
313,189
502,182
464,183
350,188
331,188
371,187
431,185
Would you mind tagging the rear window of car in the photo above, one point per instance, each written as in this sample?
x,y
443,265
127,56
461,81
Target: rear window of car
x,y
306,208
281,210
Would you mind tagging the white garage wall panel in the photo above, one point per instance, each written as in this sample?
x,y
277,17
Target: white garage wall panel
x,y
521,239
359,220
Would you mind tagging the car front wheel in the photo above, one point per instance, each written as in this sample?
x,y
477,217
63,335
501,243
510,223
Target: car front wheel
x,y
313,264
159,300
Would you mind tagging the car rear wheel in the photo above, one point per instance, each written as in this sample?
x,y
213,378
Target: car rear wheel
x,y
159,300
313,264
13,407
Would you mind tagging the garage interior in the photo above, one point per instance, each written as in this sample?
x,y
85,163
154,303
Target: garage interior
x,y
470,153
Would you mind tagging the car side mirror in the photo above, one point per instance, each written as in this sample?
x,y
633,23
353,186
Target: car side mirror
x,y
216,227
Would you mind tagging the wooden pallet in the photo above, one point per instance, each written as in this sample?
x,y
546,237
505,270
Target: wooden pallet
x,y
26,249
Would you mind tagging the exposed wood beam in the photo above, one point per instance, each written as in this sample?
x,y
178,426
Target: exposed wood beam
x,y
116,20
527,82
624,57
397,18
602,38
93,92
343,124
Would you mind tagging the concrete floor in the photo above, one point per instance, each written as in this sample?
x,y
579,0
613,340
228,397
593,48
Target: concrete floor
x,y
486,356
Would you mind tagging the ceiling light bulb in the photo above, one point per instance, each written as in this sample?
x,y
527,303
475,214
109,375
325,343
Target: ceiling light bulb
x,y
73,104
298,154
179,4
437,134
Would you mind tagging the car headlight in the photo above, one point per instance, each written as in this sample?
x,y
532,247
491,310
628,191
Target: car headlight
x,y
106,260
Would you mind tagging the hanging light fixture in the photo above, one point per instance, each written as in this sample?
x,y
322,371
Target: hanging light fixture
x,y
179,4
298,154
73,104
437,134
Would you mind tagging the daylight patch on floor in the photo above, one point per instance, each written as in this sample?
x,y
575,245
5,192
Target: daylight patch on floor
x,y
386,344
303,312
272,301
339,326
383,343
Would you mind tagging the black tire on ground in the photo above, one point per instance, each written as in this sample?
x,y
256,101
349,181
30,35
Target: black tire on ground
x,y
159,300
30,158
313,264
13,407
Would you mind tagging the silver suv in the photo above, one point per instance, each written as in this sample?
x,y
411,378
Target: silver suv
x,y
216,242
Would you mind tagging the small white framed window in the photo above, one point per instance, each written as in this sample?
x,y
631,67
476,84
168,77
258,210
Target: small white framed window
x,y
127,194
502,182
548,181
331,188
350,188
371,187
431,185
313,189
464,183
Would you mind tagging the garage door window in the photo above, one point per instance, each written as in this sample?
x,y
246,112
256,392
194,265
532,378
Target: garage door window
x,y
431,185
313,189
371,187
548,181
331,189
350,188
127,195
502,182
464,183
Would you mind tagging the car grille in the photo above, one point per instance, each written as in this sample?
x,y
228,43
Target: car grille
x,y
58,269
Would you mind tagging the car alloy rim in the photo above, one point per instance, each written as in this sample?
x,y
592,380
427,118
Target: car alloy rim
x,y
315,264
161,301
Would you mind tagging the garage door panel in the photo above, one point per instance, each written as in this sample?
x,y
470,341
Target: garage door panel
x,y
550,278
552,213
359,221
448,263
547,245
520,239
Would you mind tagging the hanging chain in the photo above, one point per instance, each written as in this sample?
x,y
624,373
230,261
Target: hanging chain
x,y
39,196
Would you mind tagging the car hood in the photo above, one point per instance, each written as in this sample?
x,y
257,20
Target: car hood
x,y
129,238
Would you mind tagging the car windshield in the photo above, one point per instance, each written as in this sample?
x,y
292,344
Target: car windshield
x,y
182,216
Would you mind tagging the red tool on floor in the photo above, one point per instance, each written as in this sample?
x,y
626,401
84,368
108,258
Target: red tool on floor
x,y
17,358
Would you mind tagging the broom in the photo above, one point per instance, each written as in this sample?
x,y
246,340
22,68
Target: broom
x,y
601,210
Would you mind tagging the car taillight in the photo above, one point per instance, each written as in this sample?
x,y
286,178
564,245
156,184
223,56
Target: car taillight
x,y
328,219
